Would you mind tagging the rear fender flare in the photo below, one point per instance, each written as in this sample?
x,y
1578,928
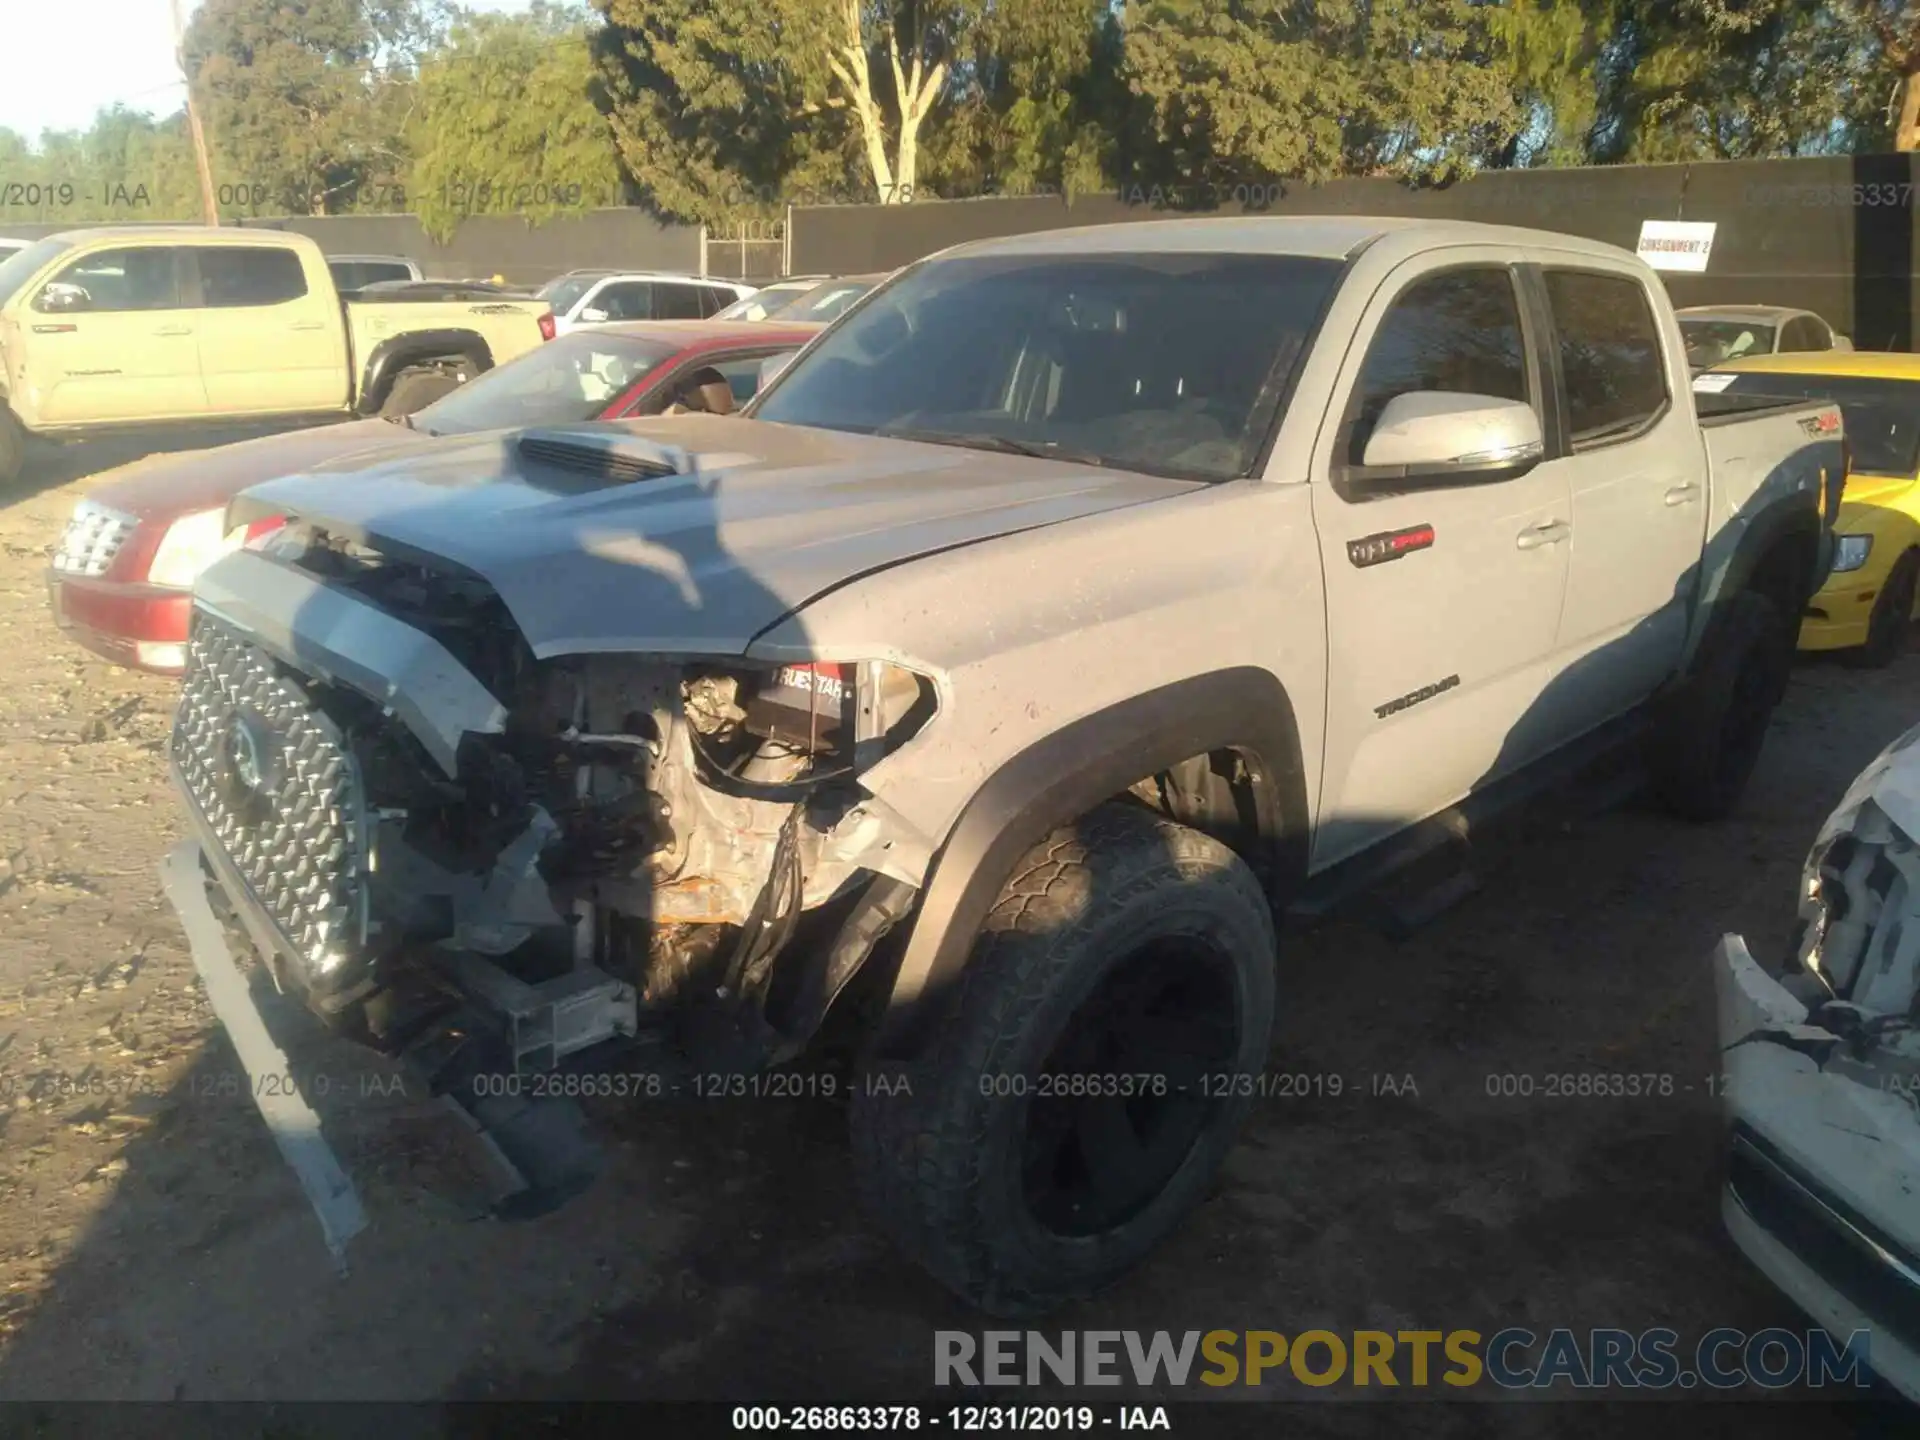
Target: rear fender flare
x,y
399,352
1066,774
1793,522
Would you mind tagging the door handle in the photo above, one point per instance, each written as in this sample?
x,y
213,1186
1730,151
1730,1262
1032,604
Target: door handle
x,y
174,330
308,325
1682,494
1552,532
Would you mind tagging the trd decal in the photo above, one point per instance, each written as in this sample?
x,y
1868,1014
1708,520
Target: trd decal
x,y
1821,424
1425,692
1389,545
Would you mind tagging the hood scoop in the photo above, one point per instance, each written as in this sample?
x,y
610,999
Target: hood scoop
x,y
605,460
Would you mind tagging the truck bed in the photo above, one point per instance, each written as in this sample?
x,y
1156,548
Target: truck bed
x,y
1722,407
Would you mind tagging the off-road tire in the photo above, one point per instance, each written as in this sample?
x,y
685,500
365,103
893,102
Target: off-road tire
x,y
938,1165
415,390
1892,618
13,446
1714,724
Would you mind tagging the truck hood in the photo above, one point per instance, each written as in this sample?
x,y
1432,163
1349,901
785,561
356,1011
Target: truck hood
x,y
690,534
166,486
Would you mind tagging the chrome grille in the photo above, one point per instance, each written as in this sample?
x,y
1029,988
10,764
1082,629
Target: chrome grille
x,y
295,835
93,537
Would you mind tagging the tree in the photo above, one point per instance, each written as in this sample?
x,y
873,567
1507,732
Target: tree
x,y
303,101
1733,79
509,121
1246,90
722,105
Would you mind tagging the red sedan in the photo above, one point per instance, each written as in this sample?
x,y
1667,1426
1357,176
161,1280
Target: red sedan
x,y
121,583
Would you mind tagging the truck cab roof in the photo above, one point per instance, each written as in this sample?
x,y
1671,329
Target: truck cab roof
x,y
1332,237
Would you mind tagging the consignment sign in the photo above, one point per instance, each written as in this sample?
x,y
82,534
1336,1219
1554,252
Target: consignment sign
x,y
1676,244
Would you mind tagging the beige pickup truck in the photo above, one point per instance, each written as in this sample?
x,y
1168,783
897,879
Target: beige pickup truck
x,y
129,327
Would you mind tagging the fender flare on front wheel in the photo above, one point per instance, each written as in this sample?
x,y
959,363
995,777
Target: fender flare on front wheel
x,y
1068,773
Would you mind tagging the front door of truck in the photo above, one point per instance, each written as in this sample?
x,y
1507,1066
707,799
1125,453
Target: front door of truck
x,y
1638,475
1443,601
112,337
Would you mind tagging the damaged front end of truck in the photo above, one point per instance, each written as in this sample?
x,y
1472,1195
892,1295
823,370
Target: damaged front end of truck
x,y
489,864
1820,1078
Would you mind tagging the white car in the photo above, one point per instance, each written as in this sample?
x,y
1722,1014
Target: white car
x,y
602,297
1820,1079
1716,334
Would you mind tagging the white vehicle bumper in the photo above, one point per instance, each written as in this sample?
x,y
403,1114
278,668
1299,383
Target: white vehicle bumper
x,y
1823,1190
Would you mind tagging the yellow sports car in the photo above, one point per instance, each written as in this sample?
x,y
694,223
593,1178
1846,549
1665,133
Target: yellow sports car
x,y
1867,605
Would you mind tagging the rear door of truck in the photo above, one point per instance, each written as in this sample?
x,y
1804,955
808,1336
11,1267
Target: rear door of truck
x,y
271,342
1639,485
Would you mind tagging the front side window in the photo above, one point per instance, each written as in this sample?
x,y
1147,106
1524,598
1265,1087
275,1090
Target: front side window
x,y
1611,361
136,278
1458,331
236,276
628,300
1171,364
565,381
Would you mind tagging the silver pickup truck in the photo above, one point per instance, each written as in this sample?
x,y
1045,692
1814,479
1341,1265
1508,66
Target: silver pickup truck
x,y
1065,616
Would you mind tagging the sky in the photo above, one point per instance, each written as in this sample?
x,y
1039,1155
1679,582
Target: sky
x,y
71,58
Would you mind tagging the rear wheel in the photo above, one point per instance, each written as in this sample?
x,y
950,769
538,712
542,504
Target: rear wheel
x,y
1715,723
416,390
1892,618
1079,1097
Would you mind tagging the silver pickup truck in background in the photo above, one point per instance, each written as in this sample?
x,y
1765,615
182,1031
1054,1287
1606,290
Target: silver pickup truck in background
x,y
1066,615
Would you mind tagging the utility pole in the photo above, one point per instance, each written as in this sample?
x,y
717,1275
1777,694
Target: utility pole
x,y
208,209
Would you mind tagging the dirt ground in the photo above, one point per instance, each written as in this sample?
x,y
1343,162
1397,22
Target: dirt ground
x,y
153,1245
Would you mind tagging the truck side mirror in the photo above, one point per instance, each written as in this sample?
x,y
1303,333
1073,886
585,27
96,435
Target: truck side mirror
x,y
593,315
56,298
1429,438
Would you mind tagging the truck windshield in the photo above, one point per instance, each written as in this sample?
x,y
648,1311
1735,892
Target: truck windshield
x,y
1170,364
563,382
1881,417
23,265
1714,342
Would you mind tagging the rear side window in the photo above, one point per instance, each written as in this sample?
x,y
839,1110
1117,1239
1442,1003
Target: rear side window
x,y
232,276
1458,331
146,278
353,274
677,302
1610,355
713,300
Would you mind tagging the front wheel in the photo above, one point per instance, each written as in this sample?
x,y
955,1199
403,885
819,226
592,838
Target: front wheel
x,y
1082,1093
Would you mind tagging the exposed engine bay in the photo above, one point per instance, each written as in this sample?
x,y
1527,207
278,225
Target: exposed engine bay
x,y
642,838
1821,1077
